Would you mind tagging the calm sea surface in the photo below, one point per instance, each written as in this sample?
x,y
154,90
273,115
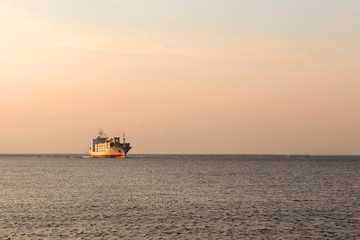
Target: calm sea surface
x,y
179,197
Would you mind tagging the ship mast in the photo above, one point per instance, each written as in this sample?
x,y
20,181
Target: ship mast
x,y
101,133
124,138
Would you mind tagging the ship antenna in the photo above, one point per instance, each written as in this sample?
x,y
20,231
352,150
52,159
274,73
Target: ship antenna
x,y
101,133
124,138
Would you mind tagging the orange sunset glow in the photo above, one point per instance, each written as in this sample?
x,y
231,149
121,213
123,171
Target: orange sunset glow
x,y
206,77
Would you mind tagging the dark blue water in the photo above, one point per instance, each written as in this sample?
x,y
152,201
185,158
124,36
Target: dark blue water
x,y
179,197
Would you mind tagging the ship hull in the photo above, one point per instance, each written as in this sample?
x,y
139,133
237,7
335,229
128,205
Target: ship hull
x,y
113,152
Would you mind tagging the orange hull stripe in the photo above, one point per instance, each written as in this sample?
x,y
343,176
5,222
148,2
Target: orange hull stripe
x,y
108,156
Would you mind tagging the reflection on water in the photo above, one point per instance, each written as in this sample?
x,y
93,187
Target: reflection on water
x,y
179,197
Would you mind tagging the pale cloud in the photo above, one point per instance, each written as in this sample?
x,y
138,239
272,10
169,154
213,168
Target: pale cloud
x,y
20,26
250,51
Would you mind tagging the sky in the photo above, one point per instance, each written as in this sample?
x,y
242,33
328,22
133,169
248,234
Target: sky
x,y
200,76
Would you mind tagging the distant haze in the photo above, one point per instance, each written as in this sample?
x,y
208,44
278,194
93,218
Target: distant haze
x,y
206,76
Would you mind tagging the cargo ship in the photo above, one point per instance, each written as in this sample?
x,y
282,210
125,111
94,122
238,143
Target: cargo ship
x,y
108,147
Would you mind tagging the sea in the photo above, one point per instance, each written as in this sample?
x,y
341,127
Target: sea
x,y
179,197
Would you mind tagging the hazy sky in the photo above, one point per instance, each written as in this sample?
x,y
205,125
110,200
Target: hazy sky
x,y
200,76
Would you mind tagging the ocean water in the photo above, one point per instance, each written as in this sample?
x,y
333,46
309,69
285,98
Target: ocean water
x,y
179,197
